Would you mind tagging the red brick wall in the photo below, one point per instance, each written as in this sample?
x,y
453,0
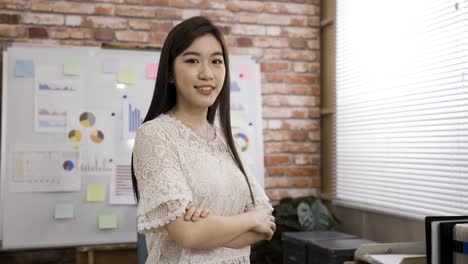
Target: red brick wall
x,y
283,36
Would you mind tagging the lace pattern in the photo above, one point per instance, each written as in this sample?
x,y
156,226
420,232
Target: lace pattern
x,y
173,167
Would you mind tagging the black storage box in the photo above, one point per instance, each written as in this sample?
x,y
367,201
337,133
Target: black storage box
x,y
295,244
333,251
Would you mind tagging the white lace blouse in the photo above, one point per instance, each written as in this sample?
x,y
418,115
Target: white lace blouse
x,y
174,166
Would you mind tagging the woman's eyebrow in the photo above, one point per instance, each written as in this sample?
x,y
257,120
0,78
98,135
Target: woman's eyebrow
x,y
188,53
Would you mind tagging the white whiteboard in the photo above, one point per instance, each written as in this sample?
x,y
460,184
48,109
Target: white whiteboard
x,y
27,217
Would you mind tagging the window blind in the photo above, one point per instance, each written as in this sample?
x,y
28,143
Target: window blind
x,y
402,106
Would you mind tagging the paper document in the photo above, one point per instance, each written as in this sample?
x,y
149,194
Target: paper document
x,y
396,259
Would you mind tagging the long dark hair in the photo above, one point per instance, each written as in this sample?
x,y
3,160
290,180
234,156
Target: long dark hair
x,y
164,96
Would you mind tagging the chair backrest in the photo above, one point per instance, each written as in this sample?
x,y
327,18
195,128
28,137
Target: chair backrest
x,y
141,249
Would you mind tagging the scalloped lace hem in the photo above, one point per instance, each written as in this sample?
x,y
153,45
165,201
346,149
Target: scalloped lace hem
x,y
147,227
260,204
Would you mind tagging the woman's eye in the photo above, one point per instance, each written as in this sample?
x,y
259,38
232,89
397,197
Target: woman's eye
x,y
192,61
218,61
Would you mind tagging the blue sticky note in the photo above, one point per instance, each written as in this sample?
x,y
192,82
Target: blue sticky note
x,y
24,68
64,210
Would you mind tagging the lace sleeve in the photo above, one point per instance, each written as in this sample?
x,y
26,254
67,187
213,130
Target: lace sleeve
x,y
164,193
260,197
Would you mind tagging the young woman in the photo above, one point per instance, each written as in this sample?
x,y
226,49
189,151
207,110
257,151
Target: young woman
x,y
184,166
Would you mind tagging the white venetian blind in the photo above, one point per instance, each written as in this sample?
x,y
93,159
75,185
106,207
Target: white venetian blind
x,y
402,106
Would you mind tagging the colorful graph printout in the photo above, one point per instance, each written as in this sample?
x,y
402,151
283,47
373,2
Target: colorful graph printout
x,y
121,191
133,116
44,168
87,119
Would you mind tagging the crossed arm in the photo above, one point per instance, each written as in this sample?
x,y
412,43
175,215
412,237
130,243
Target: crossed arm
x,y
198,231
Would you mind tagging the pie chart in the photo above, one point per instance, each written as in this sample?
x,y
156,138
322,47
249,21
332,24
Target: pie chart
x,y
68,165
87,119
97,136
74,136
242,140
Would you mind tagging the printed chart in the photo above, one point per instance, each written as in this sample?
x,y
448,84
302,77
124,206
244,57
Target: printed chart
x,y
121,191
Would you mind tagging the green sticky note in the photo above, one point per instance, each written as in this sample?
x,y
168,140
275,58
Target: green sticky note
x,y
126,76
107,220
64,210
71,68
237,119
96,193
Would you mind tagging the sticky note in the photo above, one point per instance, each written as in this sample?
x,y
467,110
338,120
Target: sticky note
x,y
71,68
126,76
237,119
107,220
245,72
110,65
151,71
24,68
64,210
96,193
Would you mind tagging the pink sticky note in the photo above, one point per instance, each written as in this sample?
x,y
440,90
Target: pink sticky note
x,y
110,65
245,72
151,71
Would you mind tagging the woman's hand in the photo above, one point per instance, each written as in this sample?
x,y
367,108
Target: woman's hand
x,y
194,213
264,222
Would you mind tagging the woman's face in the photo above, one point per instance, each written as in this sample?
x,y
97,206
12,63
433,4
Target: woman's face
x,y
199,73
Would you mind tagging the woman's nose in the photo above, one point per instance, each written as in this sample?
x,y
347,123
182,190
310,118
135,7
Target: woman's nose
x,y
205,73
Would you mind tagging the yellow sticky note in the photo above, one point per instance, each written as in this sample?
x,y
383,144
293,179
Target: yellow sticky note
x,y
107,220
71,68
126,76
96,193
237,119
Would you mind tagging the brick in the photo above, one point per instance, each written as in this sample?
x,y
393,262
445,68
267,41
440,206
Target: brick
x,y
301,159
299,90
270,42
300,124
248,30
274,171
14,4
9,19
303,147
158,38
274,66
289,100
254,52
277,160
247,18
139,24
314,90
166,13
297,43
42,19
70,33
107,22
161,27
71,20
300,55
297,136
35,32
73,7
131,36
12,31
149,2
273,31
272,54
276,135
244,42
112,1
299,21
302,171
313,44
300,32
135,11
200,4
249,6
284,112
276,182
104,9
289,8
314,112
278,194
300,79
225,30
275,88
104,34
188,13
303,67
219,16
313,21
41,5
314,136
301,183
316,182
217,4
